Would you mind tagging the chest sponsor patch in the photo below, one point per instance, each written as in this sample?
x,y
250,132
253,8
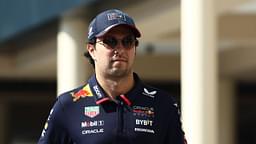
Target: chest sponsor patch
x,y
92,127
91,111
96,123
144,125
143,111
144,122
93,131
144,130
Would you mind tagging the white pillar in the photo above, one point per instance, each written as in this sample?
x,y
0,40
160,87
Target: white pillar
x,y
199,71
227,118
71,44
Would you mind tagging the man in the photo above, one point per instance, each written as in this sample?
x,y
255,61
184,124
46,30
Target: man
x,y
115,106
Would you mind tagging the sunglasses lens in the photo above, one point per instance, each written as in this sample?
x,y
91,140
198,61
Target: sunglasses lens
x,y
110,41
128,41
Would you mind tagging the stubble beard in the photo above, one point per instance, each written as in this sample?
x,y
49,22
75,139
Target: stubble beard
x,y
119,73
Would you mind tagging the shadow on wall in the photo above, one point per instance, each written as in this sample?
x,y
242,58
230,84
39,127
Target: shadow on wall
x,y
27,104
246,113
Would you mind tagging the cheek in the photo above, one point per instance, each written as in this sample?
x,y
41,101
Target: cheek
x,y
103,56
132,53
132,56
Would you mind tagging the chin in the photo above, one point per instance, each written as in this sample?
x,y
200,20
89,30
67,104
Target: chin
x,y
117,72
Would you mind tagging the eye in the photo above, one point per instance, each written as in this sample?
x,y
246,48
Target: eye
x,y
128,41
110,41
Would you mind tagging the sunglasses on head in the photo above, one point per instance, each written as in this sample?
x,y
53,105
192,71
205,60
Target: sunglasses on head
x,y
111,42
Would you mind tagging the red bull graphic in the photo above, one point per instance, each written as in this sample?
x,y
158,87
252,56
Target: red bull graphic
x,y
143,111
85,92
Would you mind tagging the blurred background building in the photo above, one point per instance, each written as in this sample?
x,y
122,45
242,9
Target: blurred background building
x,y
41,54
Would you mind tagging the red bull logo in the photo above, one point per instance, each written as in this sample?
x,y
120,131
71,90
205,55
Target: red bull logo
x,y
85,92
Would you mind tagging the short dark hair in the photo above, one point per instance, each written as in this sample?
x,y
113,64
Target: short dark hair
x,y
87,54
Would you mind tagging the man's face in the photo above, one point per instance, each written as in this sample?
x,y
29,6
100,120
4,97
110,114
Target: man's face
x,y
114,52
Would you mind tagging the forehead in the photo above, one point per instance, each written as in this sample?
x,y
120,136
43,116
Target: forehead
x,y
120,30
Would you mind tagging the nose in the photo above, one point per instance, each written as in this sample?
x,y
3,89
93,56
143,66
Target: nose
x,y
119,44
119,49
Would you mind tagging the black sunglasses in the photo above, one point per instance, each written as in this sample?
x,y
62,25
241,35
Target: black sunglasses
x,y
111,42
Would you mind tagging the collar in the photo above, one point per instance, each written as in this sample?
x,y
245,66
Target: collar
x,y
101,97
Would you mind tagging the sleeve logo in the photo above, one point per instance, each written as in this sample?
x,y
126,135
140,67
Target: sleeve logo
x,y
85,92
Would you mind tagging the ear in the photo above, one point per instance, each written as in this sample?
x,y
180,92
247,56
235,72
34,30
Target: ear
x,y
91,49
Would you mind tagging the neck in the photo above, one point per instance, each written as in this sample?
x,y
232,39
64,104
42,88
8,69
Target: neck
x,y
116,86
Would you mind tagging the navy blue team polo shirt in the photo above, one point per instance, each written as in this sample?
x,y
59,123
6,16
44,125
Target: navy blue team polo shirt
x,y
86,115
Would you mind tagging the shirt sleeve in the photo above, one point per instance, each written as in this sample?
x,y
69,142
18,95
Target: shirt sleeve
x,y
176,134
54,131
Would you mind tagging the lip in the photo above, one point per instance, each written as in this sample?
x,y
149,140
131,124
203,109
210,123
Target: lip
x,y
121,60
